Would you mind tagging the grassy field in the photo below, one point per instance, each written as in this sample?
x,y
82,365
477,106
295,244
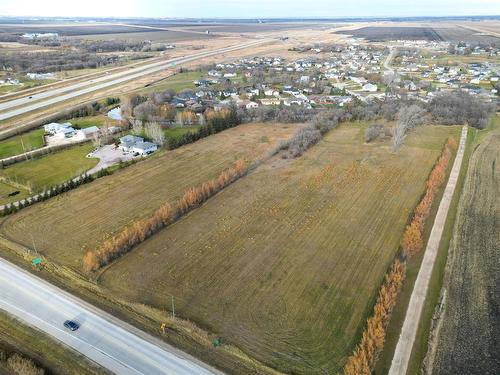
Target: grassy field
x,y
467,336
86,122
412,267
49,355
176,82
178,131
14,146
51,169
6,189
108,204
285,263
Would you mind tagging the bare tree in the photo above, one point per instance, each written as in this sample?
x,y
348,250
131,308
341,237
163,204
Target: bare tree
x,y
155,133
137,127
406,119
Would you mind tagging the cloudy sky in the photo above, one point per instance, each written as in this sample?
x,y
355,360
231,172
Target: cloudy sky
x,y
248,8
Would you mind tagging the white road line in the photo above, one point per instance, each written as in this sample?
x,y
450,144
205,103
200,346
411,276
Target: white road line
x,y
104,339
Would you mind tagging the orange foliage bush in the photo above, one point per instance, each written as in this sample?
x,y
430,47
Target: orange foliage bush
x,y
412,239
163,216
363,358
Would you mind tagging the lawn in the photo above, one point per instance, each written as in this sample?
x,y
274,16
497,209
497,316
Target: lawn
x,y
179,131
6,189
110,203
21,143
87,122
51,169
177,82
285,263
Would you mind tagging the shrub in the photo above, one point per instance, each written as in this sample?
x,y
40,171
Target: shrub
x,y
23,366
374,131
372,341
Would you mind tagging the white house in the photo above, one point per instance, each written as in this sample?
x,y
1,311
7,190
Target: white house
x,y
65,133
64,130
252,105
128,141
271,92
144,148
369,87
87,133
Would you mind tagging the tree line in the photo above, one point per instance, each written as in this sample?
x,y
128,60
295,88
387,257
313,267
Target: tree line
x,y
363,359
139,231
412,239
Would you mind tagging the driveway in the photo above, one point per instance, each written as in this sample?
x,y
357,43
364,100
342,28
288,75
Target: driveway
x,y
108,155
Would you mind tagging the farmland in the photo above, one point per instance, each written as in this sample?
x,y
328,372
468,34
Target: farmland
x,y
52,169
449,33
467,334
108,204
382,33
285,263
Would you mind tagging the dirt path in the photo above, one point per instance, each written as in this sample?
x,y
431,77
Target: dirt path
x,y
408,332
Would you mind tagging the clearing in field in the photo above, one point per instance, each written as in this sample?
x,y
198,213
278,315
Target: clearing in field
x,y
285,263
80,220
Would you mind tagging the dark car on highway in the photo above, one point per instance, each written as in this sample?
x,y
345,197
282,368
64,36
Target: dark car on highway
x,y
71,325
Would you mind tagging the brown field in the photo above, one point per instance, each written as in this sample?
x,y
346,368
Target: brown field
x,y
421,31
95,211
466,339
285,263
148,34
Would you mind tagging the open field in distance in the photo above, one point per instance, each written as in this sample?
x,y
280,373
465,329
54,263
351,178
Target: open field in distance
x,y
450,33
285,262
107,205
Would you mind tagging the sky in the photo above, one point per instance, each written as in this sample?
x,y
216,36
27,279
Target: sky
x,y
247,8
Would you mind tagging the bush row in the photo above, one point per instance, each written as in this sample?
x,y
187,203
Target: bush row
x,y
49,193
139,231
363,359
216,122
61,188
412,239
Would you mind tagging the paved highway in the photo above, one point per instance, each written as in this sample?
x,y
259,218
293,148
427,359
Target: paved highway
x,y
49,97
113,344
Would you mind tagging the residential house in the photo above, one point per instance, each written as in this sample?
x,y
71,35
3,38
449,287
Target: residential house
x,y
87,133
144,148
62,131
128,141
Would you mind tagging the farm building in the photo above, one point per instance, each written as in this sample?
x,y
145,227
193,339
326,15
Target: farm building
x,y
87,133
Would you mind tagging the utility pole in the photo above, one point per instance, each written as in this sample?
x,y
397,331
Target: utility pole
x,y
173,307
34,247
24,149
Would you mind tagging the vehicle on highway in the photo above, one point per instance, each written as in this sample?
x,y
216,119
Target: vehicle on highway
x,y
71,325
30,97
